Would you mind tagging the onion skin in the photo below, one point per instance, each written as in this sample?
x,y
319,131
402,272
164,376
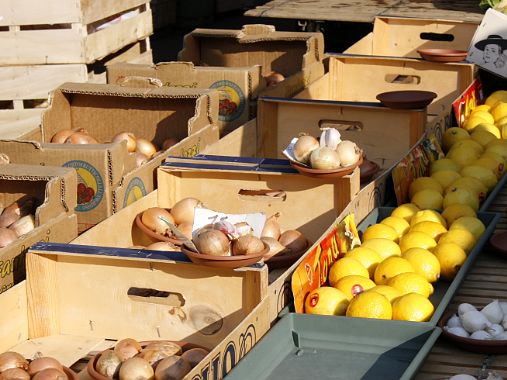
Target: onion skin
x,y
16,210
128,137
167,346
212,242
194,356
136,368
43,363
10,359
274,247
14,374
146,147
108,364
23,225
127,348
172,368
80,138
272,227
183,210
50,374
151,218
60,136
186,229
348,153
7,236
304,147
293,240
247,245
324,159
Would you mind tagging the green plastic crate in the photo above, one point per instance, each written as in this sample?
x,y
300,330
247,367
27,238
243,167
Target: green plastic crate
x,y
302,346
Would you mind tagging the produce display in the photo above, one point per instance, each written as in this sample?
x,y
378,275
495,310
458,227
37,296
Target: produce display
x,y
273,78
17,219
13,366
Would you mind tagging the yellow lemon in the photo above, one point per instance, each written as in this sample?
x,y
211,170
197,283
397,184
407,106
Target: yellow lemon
x,y
326,300
412,307
352,285
483,137
486,176
490,128
430,215
380,231
491,164
411,283
370,305
367,257
424,262
428,199
384,247
391,267
416,239
405,211
398,224
444,164
464,238
469,144
387,291
455,211
495,97
452,135
346,266
451,257
499,110
462,156
498,148
503,129
482,107
470,223
446,177
424,183
461,196
470,183
501,167
485,115
433,229
474,120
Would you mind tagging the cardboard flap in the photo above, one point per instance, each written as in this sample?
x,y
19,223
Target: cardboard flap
x,y
256,30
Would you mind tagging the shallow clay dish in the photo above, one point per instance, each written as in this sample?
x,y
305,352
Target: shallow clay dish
x,y
499,242
473,345
70,373
409,99
443,55
224,261
286,260
368,170
317,173
155,235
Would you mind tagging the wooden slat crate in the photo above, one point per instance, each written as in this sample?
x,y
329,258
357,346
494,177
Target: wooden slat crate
x,y
69,31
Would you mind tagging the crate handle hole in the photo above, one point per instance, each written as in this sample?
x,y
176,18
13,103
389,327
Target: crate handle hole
x,y
263,195
150,295
403,79
342,125
446,37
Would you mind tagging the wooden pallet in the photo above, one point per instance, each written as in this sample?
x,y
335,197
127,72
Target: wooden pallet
x,y
69,31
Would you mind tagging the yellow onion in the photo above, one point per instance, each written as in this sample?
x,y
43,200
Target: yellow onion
x,y
154,217
293,240
16,210
80,138
186,229
172,368
146,147
247,245
212,242
166,346
304,147
163,246
140,159
128,137
60,136
14,374
169,143
348,153
273,78
50,374
127,348
10,359
42,363
271,227
136,368
7,236
324,158
274,247
108,364
183,210
194,356
23,225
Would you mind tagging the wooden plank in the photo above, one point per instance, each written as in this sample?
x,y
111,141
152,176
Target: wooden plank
x,y
13,306
17,123
96,10
463,10
33,12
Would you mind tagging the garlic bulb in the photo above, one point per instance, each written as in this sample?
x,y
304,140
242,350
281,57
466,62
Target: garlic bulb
x,y
330,137
493,312
481,335
474,320
462,376
503,306
454,321
459,331
464,307
502,336
504,322
494,329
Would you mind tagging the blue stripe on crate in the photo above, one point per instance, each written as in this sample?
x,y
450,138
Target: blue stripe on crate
x,y
236,159
266,167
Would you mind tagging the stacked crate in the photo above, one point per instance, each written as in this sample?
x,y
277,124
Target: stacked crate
x,y
43,44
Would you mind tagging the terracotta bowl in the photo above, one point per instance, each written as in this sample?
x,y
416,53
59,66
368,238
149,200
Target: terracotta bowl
x,y
70,373
317,173
498,243
443,55
286,260
410,99
154,235
368,170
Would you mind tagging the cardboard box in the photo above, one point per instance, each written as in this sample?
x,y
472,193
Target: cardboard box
x,y
402,37
241,142
104,110
296,55
238,86
55,220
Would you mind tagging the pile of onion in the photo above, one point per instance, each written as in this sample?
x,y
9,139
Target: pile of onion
x,y
13,366
273,78
281,243
159,360
16,220
73,136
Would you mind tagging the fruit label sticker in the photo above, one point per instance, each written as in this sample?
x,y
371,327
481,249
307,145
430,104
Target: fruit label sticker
x,y
232,100
90,187
312,272
135,190
463,106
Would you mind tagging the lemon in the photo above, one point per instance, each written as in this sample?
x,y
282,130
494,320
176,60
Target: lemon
x,y
391,267
326,300
482,136
412,307
498,148
485,115
495,97
424,183
424,263
490,128
451,257
452,135
446,177
387,291
370,305
430,215
346,266
474,120
384,247
469,223
503,129
489,163
428,198
482,107
462,196
433,229
367,257
416,239
464,238
444,164
499,110
405,211
411,283
462,156
469,144
486,176
499,160
352,285
380,231
398,224
470,183
455,211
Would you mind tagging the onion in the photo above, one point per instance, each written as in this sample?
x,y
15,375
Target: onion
x,y
140,159
274,247
273,78
186,229
304,147
168,347
61,136
16,210
128,137
154,217
247,245
271,227
183,210
157,351
145,147
243,228
194,356
7,236
127,348
163,246
50,374
43,363
14,374
169,143
293,240
172,368
348,152
10,359
136,369
23,225
80,138
212,242
108,364
324,158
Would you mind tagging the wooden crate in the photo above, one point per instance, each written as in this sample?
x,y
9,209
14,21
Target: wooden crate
x,y
69,31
